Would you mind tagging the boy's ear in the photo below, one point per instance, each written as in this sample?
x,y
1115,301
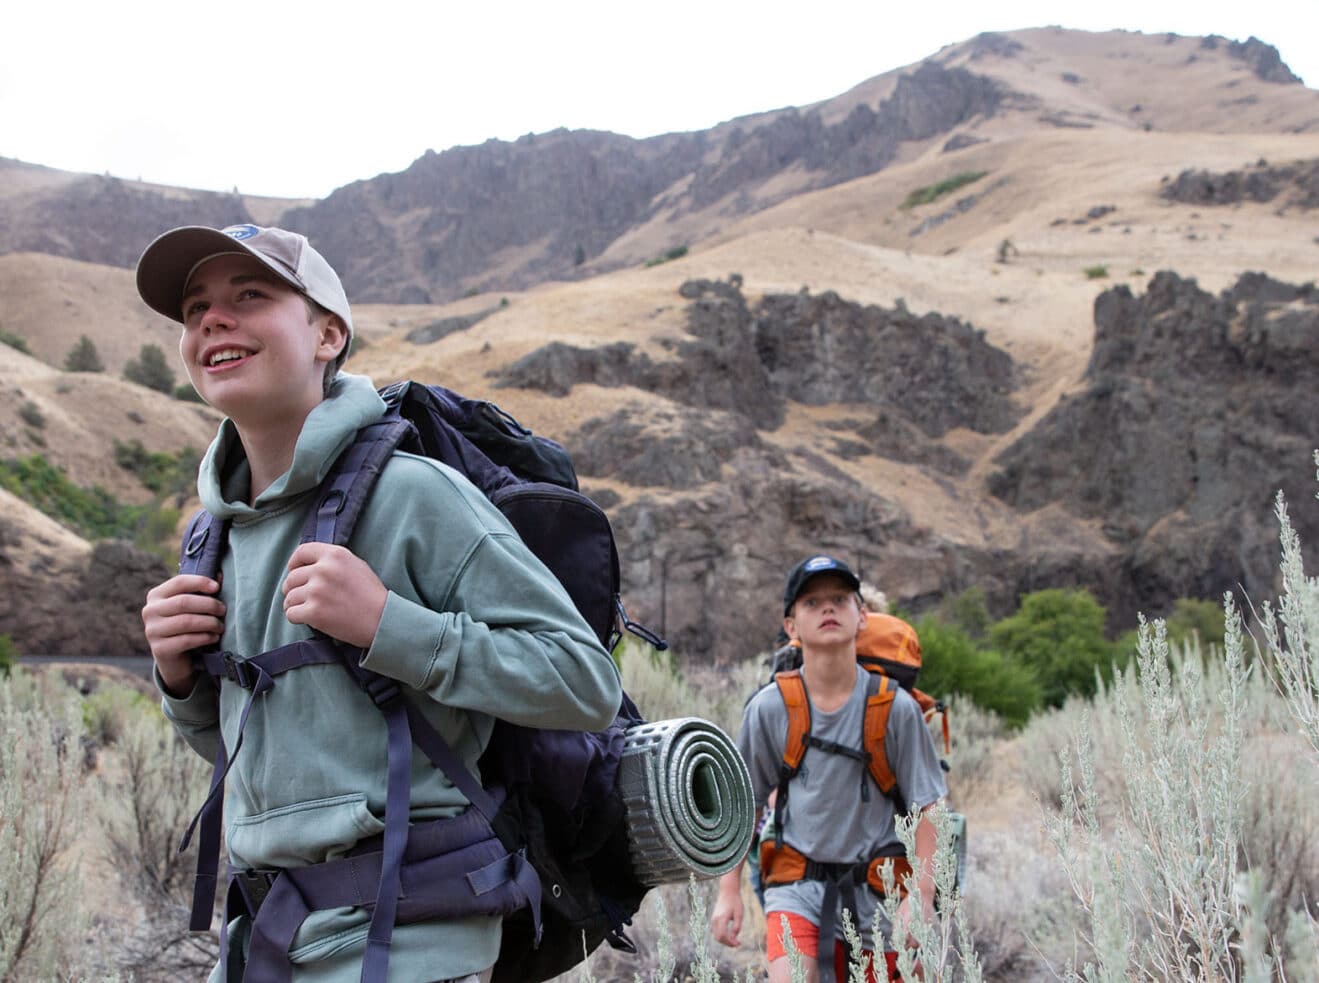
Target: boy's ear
x,y
334,335
861,620
790,626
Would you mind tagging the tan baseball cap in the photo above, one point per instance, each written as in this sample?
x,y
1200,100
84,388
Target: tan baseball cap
x,y
169,262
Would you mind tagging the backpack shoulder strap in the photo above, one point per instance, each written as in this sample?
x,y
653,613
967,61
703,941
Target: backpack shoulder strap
x,y
881,690
345,490
203,545
793,690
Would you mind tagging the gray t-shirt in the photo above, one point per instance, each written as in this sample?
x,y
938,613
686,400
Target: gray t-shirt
x,y
826,817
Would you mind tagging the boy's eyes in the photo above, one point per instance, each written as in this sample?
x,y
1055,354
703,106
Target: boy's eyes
x,y
836,600
199,306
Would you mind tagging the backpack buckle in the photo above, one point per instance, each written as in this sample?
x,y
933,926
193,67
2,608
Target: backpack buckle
x,y
238,671
254,885
381,689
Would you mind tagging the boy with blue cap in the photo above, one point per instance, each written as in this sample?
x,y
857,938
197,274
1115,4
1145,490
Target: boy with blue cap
x,y
831,832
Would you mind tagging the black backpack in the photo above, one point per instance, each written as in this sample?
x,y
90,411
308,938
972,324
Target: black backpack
x,y
550,796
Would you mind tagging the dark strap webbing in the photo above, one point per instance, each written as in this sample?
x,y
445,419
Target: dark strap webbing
x,y
840,881
451,868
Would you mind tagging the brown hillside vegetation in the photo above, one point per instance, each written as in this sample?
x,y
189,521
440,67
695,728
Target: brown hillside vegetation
x,y
1068,206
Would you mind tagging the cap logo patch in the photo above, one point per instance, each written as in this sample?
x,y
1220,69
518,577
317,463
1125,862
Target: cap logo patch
x,y
820,563
241,232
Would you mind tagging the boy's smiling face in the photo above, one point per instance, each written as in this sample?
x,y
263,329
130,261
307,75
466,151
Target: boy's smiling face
x,y
248,344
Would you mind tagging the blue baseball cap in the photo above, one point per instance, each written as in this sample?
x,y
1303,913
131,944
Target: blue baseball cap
x,y
810,568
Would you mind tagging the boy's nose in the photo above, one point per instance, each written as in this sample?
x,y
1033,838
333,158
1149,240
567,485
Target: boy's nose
x,y
215,318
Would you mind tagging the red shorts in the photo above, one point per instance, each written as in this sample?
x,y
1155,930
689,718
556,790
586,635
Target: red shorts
x,y
806,937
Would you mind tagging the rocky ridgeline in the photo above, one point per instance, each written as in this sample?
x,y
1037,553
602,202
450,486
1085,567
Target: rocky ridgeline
x,y
438,229
106,220
1296,183
1262,58
1197,409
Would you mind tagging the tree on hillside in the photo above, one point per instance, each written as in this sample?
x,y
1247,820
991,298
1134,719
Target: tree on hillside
x,y
1059,636
83,357
151,370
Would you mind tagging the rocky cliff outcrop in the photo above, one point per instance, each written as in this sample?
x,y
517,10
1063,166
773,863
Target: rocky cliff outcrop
x,y
1262,58
928,373
58,597
1297,183
103,219
1197,409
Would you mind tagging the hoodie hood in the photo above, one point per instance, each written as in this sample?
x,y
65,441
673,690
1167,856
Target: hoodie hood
x,y
224,477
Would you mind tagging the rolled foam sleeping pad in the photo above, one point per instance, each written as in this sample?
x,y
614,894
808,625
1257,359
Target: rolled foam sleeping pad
x,y
688,797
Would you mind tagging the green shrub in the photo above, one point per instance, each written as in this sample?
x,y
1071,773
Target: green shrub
x,y
8,654
952,663
92,513
968,611
107,713
83,357
151,369
1058,635
1191,620
927,194
1195,618
14,341
31,414
184,392
1096,272
162,472
677,252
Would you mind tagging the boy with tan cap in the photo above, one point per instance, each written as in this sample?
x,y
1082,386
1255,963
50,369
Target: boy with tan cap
x,y
433,590
834,822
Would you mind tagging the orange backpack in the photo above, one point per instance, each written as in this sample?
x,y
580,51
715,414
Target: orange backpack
x,y
889,649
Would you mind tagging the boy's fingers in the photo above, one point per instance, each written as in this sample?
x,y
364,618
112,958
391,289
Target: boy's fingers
x,y
309,553
184,583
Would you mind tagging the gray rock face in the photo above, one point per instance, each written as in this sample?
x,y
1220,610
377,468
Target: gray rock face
x,y
106,220
1297,183
934,372
1262,58
78,607
1198,410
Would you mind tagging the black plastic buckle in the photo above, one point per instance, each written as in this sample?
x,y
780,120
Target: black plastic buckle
x,y
641,631
255,885
382,690
238,671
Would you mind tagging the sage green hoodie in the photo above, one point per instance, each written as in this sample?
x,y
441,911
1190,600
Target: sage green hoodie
x,y
474,625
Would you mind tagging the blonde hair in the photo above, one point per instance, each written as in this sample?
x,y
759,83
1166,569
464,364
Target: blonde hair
x,y
873,599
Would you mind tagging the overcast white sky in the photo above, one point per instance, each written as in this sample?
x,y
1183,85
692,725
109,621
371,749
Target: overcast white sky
x,y
294,98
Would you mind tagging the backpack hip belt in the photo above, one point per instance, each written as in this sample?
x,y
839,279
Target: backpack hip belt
x,y
453,868
784,864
